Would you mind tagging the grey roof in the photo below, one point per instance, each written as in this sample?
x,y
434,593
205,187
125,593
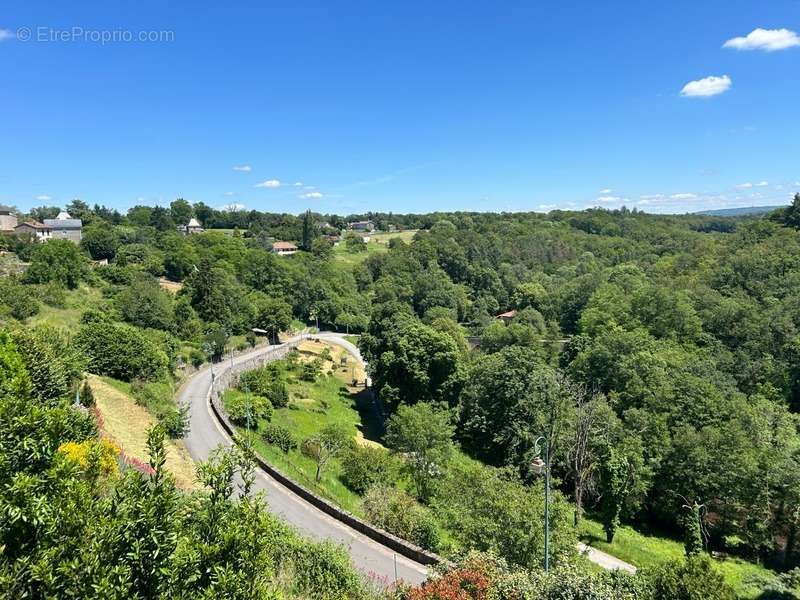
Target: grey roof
x,y
63,223
5,209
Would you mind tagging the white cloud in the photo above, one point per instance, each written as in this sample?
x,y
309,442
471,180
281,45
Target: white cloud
x,y
312,195
683,196
298,184
706,87
609,199
44,197
229,193
744,186
269,183
606,191
765,39
6,34
762,183
547,207
243,168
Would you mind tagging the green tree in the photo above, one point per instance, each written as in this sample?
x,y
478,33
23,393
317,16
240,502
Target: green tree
x,y
121,351
274,316
57,261
309,231
181,211
331,441
423,434
146,304
613,490
692,579
100,240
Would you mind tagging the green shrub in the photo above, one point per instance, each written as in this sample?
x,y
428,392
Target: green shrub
x,y
398,513
58,261
196,357
121,351
311,370
364,467
175,421
17,298
53,295
246,410
279,436
692,579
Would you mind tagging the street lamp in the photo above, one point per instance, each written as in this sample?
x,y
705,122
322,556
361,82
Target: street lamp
x,y
540,467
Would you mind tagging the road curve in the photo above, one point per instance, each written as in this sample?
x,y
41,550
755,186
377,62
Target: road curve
x,y
206,434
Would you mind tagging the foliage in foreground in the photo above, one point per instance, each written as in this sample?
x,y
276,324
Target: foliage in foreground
x,y
485,577
73,526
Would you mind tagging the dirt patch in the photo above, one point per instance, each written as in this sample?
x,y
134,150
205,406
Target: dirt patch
x,y
351,369
127,423
362,441
170,286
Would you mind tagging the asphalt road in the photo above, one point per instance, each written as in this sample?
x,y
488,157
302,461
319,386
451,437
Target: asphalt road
x,y
205,434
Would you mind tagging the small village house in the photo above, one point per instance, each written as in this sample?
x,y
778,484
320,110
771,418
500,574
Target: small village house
x,y
65,227
41,231
8,220
284,248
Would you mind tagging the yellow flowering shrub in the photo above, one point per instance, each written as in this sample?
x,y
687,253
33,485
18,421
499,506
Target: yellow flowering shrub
x,y
79,452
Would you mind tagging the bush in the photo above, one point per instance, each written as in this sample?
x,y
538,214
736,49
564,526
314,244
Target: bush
x,y
279,436
311,370
398,513
53,295
57,261
257,381
364,467
121,351
692,579
87,395
246,411
18,299
175,422
278,393
196,357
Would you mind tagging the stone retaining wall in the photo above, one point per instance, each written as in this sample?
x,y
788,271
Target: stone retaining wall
x,y
226,375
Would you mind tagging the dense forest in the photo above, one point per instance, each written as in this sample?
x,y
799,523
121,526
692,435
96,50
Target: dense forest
x,y
658,357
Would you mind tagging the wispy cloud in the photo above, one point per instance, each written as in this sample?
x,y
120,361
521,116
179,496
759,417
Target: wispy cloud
x,y
269,183
706,87
606,191
43,197
6,34
312,195
243,168
769,40
683,196
744,186
298,184
762,184
228,193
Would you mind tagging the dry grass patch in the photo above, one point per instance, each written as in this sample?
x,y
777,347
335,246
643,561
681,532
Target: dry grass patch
x,y
127,423
170,286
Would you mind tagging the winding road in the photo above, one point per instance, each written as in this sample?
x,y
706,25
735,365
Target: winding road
x,y
206,434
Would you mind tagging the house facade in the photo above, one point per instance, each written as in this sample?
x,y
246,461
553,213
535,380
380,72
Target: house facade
x,y
8,220
40,230
361,226
65,227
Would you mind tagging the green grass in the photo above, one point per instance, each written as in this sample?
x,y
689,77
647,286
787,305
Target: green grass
x,y
351,259
77,302
645,550
313,406
353,339
383,238
159,398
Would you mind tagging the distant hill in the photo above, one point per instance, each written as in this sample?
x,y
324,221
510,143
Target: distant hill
x,y
738,212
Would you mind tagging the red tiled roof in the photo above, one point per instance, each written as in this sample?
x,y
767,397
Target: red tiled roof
x,y
507,315
284,246
34,225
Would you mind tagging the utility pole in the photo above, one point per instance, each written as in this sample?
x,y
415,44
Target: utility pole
x,y
539,467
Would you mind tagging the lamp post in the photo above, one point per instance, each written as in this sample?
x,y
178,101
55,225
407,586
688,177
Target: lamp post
x,y
539,467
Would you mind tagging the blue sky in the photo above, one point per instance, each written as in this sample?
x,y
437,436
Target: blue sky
x,y
404,106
